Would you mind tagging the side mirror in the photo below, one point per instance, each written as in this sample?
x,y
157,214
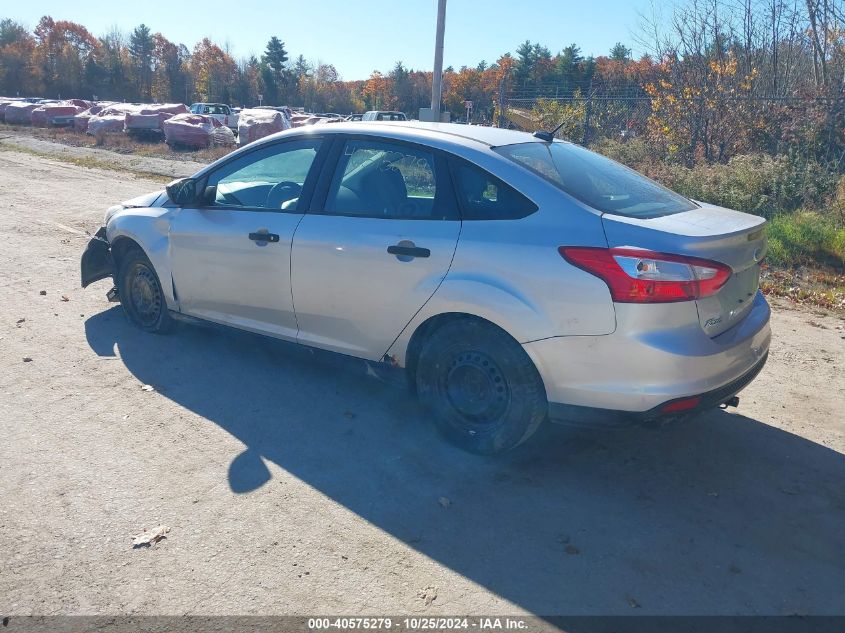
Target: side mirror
x,y
182,191
209,194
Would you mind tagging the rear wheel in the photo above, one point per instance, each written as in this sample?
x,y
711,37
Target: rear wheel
x,y
485,392
141,294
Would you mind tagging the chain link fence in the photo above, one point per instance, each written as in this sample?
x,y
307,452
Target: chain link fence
x,y
585,119
775,125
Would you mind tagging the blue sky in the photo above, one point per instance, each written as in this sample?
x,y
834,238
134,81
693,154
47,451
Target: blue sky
x,y
358,36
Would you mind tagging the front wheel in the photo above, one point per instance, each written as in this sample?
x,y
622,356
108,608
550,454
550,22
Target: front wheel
x,y
485,392
141,294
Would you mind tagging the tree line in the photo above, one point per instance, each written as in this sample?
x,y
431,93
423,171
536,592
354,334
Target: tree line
x,y
708,67
61,58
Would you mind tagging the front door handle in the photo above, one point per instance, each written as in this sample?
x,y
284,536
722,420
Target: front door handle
x,y
264,237
408,249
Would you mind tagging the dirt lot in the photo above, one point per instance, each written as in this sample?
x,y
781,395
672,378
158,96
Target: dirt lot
x,y
292,483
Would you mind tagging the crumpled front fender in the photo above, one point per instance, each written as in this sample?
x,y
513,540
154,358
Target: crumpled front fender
x,y
97,261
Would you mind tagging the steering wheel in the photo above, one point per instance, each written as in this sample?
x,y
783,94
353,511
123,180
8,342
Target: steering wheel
x,y
282,192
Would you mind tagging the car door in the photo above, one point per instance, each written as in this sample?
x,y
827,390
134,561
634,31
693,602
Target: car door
x,y
231,255
374,247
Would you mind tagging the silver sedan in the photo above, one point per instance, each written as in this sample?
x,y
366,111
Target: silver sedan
x,y
514,278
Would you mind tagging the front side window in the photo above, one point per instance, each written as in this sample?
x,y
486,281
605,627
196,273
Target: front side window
x,y
603,184
386,180
270,178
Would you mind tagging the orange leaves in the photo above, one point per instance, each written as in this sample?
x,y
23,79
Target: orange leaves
x,y
464,85
212,69
698,108
62,50
375,90
726,68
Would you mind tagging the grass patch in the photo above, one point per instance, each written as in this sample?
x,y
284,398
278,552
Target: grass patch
x,y
754,183
805,238
120,143
88,162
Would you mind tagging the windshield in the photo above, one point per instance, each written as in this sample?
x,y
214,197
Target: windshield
x,y
597,181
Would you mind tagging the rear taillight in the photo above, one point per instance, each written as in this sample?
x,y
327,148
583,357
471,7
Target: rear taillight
x,y
640,276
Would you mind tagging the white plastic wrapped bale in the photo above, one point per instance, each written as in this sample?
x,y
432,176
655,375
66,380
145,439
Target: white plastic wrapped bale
x,y
4,102
222,136
300,120
19,113
80,121
110,119
197,131
189,130
150,117
57,114
254,124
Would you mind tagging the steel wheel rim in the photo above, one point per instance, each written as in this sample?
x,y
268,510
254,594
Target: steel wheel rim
x,y
146,295
476,388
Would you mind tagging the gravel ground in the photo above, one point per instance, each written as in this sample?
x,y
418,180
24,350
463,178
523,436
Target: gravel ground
x,y
294,484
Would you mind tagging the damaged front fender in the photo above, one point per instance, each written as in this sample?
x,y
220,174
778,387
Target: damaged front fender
x,y
97,261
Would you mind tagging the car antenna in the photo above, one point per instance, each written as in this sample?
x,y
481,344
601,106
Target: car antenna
x,y
548,137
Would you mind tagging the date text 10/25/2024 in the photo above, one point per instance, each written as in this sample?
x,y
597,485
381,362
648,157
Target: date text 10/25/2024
x,y
419,623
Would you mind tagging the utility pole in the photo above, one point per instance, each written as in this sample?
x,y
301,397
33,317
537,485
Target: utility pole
x,y
437,76
503,106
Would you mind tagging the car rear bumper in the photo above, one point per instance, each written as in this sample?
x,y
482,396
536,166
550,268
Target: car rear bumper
x,y
657,355
611,417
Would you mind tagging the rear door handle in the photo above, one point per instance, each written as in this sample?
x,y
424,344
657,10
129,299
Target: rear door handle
x,y
264,237
408,251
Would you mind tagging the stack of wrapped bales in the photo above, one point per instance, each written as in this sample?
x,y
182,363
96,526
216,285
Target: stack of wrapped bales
x,y
254,124
149,118
197,131
80,121
299,120
5,101
60,113
109,119
19,113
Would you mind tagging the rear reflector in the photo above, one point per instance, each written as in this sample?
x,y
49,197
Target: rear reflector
x,y
681,405
641,276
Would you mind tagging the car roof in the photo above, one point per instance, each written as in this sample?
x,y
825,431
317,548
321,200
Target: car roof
x,y
448,136
419,130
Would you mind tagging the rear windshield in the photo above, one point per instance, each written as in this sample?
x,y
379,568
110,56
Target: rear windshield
x,y
597,181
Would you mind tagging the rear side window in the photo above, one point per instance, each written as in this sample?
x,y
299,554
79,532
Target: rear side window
x,y
482,196
597,181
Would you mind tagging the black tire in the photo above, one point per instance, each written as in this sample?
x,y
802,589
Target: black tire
x,y
141,295
485,392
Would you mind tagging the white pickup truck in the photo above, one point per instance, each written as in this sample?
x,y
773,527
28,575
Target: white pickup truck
x,y
219,111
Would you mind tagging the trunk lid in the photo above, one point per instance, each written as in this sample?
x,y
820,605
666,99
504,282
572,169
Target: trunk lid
x,y
726,236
